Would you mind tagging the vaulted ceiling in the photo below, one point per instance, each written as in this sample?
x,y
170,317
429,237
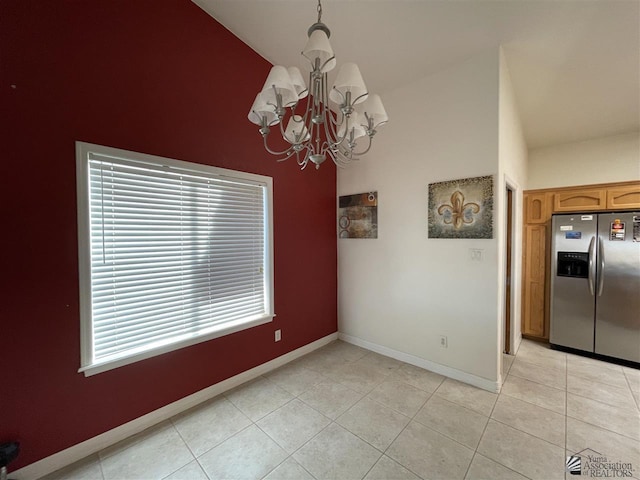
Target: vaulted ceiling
x,y
575,64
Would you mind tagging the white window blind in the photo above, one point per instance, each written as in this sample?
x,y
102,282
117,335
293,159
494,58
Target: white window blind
x,y
177,251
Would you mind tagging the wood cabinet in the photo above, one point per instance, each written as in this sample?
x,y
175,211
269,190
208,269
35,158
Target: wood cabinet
x,y
539,205
534,286
580,200
623,198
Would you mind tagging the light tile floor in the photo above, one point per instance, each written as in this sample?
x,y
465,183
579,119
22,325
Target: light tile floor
x,y
343,412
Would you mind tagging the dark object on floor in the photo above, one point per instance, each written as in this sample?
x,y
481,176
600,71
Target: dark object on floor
x,y
8,453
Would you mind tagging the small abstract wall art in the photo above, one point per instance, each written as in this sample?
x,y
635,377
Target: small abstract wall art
x,y
461,208
358,215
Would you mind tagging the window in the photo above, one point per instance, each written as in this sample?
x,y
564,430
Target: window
x,y
171,254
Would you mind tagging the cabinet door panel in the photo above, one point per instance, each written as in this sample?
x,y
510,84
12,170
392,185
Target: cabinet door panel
x,y
536,209
580,200
623,197
534,287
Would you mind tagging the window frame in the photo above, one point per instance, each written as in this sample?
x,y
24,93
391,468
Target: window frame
x,y
84,152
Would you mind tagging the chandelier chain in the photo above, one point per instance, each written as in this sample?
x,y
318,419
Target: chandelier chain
x,y
319,11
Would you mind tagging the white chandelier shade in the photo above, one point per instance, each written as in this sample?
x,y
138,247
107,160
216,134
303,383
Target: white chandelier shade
x,y
319,52
358,129
262,111
374,109
348,81
333,121
279,83
296,131
298,82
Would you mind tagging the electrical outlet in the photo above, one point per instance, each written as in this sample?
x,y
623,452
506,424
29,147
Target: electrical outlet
x,y
278,335
443,341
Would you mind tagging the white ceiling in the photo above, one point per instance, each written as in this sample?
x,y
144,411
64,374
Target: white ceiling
x,y
575,64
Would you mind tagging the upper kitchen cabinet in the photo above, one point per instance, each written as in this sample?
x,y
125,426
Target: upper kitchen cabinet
x,y
623,198
593,199
537,207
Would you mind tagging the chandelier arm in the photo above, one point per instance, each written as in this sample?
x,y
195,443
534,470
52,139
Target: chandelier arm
x,y
340,160
333,157
307,109
338,140
333,139
331,125
336,125
314,130
359,154
346,153
287,151
304,162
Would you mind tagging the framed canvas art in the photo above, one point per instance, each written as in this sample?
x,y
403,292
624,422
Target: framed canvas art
x,y
358,215
461,208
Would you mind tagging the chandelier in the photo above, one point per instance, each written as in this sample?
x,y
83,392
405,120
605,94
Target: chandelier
x,y
333,122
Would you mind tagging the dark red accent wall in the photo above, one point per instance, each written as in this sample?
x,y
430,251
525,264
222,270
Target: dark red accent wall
x,y
153,76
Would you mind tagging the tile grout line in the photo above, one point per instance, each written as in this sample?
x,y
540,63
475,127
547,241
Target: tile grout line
x,y
475,450
382,453
290,455
100,465
365,395
331,421
636,400
509,426
190,450
411,419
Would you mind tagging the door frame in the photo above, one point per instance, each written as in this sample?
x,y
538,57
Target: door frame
x,y
509,273
514,230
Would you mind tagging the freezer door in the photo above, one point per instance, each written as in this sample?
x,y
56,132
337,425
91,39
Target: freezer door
x,y
618,286
573,245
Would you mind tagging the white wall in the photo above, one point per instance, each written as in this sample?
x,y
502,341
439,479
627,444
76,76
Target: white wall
x,y
512,152
601,160
402,290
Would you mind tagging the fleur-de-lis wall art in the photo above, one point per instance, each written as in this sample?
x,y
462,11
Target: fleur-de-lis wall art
x,y
458,213
461,208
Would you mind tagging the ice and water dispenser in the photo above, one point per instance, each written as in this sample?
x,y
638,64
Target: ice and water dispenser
x,y
573,264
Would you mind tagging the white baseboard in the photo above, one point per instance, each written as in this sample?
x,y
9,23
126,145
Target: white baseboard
x,y
485,384
93,445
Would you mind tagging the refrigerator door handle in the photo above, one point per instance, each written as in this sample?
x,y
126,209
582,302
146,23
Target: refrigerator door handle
x,y
600,267
590,273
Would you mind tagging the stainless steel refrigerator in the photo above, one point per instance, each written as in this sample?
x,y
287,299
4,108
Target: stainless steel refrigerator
x,y
595,283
